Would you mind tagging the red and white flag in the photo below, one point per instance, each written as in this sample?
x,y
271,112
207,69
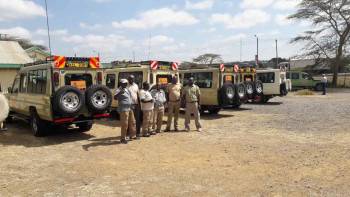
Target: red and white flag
x,y
174,65
154,65
236,68
222,67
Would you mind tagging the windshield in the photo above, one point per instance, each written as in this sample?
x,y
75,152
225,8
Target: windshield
x,y
80,81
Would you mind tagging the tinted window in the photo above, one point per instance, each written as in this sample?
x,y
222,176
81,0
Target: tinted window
x,y
266,77
138,77
164,79
37,81
23,86
80,81
295,75
202,80
110,81
15,87
305,76
229,79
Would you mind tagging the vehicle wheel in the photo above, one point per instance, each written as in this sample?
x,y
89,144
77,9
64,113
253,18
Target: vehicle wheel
x,y
98,98
227,94
249,89
85,126
258,88
68,101
319,87
214,111
265,99
37,125
9,119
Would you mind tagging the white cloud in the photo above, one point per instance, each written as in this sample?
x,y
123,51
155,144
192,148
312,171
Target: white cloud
x,y
282,20
159,40
201,5
108,43
89,26
286,4
17,32
246,19
163,17
256,3
58,32
19,9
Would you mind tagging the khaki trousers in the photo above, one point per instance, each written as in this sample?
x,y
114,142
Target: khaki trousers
x,y
173,111
127,120
192,108
146,124
158,114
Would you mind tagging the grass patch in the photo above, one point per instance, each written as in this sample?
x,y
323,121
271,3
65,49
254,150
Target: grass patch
x,y
305,93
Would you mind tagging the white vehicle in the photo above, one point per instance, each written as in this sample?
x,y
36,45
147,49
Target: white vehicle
x,y
275,84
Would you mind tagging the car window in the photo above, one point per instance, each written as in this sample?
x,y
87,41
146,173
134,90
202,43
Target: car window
x,y
295,75
202,80
15,87
138,77
23,83
164,79
37,81
266,77
80,81
229,79
305,76
110,81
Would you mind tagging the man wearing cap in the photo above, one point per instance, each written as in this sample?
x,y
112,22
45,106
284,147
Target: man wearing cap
x,y
191,94
123,95
174,98
159,101
134,92
147,106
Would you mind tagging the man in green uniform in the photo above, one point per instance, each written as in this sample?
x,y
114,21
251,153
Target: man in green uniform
x,y
191,94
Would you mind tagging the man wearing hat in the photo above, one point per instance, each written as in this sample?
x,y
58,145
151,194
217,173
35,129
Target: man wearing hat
x,y
324,81
127,119
191,94
135,100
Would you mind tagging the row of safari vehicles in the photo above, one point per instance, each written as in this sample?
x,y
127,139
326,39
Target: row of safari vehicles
x,y
65,91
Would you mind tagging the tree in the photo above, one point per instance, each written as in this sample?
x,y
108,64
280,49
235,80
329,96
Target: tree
x,y
330,37
208,58
25,43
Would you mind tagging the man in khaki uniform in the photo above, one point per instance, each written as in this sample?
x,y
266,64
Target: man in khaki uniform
x,y
174,104
191,94
127,119
159,101
147,105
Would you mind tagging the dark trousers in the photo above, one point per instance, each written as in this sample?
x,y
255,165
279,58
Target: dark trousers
x,y
137,113
324,88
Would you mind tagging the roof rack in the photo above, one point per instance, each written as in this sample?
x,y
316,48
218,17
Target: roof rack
x,y
37,63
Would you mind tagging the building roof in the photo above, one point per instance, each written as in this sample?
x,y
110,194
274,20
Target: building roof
x,y
12,53
38,50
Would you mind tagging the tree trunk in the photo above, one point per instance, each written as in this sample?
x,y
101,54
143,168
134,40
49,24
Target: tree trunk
x,y
337,62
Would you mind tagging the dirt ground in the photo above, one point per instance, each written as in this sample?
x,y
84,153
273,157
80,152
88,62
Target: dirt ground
x,y
293,146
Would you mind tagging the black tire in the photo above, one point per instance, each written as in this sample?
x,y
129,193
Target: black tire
x,y
319,87
37,125
9,119
227,94
85,126
283,89
98,98
249,89
265,99
214,111
63,101
240,95
258,88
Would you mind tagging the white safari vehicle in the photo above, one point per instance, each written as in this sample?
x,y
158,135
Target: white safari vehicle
x,y
275,83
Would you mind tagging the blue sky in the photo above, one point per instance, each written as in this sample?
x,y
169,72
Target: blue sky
x,y
175,30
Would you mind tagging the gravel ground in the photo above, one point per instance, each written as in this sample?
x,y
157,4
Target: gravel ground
x,y
293,146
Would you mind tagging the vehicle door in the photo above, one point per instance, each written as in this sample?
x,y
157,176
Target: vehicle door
x,y
271,82
307,80
14,95
38,93
296,79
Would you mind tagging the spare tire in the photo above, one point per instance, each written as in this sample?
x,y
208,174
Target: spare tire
x,y
258,88
240,96
227,94
98,98
249,89
68,101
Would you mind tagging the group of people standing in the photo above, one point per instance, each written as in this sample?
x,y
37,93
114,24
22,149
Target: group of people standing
x,y
152,103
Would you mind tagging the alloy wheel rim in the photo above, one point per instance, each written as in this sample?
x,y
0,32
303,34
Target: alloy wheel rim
x,y
99,99
70,101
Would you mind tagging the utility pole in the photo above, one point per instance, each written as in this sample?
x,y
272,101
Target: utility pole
x,y
133,56
149,46
257,50
240,50
276,53
48,27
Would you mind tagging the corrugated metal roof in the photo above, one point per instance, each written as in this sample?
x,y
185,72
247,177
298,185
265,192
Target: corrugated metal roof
x,y
12,53
16,66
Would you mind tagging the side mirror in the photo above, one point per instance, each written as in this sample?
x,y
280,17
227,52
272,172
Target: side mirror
x,y
9,89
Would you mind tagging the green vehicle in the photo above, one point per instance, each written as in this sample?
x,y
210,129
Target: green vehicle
x,y
302,80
